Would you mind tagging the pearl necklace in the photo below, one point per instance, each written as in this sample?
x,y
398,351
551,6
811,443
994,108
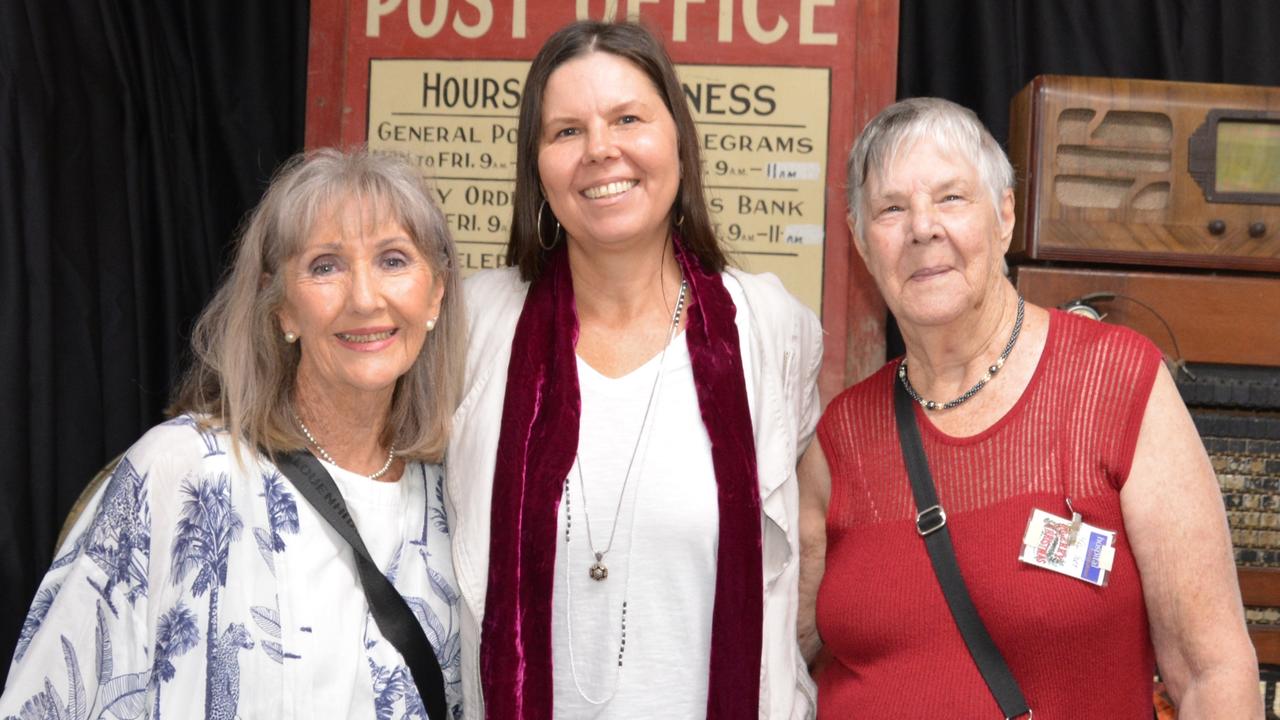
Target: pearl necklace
x,y
391,452
982,382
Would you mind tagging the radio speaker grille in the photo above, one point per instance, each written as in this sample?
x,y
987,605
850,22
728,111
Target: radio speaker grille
x,y
1110,166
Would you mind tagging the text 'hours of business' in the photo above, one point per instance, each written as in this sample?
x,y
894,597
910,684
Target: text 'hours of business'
x,y
762,133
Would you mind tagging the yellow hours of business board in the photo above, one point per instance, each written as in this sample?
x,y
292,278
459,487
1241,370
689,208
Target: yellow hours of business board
x,y
762,133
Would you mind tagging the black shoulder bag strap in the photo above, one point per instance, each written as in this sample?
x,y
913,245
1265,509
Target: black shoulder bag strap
x,y
931,523
390,611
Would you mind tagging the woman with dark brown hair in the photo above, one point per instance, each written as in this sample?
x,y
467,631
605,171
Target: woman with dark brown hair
x,y
623,471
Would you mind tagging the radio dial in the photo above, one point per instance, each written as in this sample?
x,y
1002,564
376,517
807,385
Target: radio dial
x,y
1257,229
1217,227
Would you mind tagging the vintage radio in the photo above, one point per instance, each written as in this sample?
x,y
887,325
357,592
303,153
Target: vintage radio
x,y
1147,172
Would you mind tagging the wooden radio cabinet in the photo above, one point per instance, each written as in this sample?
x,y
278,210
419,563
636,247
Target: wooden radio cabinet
x,y
1163,193
1147,172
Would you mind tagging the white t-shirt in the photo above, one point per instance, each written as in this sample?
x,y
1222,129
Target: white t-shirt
x,y
386,514
380,511
663,558
781,345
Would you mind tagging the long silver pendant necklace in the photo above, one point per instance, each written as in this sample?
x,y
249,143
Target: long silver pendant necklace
x,y
598,571
982,382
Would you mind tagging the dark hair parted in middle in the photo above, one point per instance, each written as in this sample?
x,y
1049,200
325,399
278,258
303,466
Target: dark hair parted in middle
x,y
632,42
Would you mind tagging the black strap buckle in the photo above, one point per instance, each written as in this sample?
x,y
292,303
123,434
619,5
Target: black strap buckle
x,y
930,520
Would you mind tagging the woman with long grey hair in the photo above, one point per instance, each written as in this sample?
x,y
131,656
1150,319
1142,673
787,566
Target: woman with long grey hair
x,y
199,579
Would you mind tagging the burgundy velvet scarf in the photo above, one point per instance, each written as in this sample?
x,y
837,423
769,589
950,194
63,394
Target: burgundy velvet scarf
x,y
536,448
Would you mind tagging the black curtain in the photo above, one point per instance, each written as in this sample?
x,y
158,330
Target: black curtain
x,y
134,136
981,53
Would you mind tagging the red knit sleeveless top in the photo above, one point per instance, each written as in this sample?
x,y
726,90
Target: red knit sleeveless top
x,y
1077,650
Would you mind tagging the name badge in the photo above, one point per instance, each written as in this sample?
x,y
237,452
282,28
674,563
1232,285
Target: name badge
x,y
1069,546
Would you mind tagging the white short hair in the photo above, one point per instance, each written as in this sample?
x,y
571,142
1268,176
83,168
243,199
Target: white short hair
x,y
954,128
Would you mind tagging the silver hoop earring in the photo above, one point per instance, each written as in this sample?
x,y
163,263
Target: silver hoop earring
x,y
554,238
291,337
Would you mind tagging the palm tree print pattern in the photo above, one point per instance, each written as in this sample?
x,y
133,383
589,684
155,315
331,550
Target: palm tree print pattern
x,y
176,633
135,618
202,544
282,517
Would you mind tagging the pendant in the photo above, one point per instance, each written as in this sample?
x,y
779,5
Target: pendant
x,y
598,570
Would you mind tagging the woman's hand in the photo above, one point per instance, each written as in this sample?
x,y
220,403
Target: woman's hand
x,y
1174,517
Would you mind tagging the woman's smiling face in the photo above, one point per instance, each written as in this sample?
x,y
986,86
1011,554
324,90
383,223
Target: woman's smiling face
x,y
358,296
933,239
608,156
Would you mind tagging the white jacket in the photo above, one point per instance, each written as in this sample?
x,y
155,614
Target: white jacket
x,y
782,354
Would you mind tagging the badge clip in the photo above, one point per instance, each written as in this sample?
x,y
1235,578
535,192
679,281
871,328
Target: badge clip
x,y
1075,524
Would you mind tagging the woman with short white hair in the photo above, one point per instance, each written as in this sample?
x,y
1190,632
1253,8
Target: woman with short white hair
x,y
1021,474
